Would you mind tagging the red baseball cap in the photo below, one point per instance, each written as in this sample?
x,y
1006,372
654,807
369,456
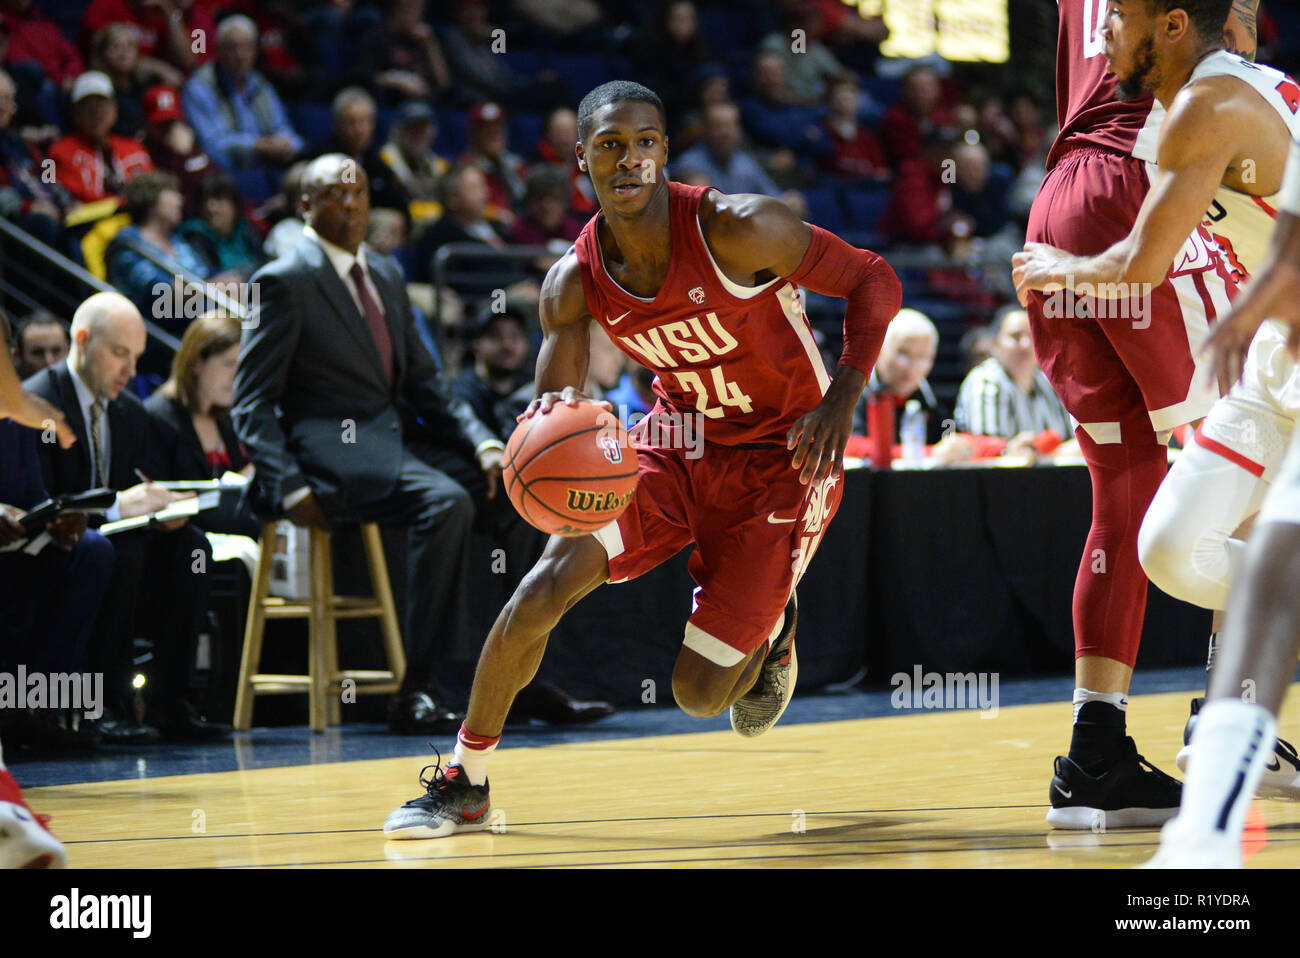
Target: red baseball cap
x,y
482,113
162,104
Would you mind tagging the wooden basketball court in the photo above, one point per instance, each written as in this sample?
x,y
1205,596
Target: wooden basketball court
x,y
925,790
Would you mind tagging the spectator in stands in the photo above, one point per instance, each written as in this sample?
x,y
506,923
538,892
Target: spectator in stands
x,y
400,58
712,85
91,162
489,150
1008,395
225,242
115,54
160,587
921,208
500,350
166,28
854,37
854,150
774,121
559,134
1032,135
386,232
464,220
353,135
191,416
36,41
41,340
472,46
976,346
26,199
410,158
720,159
605,363
236,113
918,115
148,259
667,54
546,220
809,63
286,233
634,395
50,599
979,189
905,360
172,145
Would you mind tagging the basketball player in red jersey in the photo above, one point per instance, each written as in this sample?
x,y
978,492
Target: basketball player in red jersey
x,y
1127,370
702,288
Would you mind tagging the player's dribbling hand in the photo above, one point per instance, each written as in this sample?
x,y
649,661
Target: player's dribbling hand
x,y
570,396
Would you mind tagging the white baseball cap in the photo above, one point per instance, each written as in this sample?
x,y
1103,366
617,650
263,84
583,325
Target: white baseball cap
x,y
92,83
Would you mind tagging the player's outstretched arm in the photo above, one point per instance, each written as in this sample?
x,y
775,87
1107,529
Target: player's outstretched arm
x,y
566,339
1198,142
1272,293
760,236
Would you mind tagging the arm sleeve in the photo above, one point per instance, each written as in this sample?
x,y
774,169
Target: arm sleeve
x,y
834,268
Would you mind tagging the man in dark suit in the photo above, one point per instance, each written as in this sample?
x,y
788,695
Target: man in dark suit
x,y
160,586
365,428
49,600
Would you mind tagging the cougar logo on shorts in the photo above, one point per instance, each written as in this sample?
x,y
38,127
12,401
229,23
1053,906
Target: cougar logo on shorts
x,y
583,500
697,295
609,445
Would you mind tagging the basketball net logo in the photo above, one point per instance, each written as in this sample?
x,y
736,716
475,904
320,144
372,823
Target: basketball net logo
x,y
697,295
609,446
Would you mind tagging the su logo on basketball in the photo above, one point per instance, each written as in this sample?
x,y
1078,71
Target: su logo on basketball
x,y
609,446
583,500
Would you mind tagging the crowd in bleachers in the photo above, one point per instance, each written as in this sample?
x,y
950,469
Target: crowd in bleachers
x,y
150,139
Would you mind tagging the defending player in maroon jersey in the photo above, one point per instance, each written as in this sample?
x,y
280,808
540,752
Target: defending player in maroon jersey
x,y
1125,365
702,288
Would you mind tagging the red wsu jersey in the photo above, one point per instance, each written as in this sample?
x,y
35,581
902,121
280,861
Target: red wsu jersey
x,y
1086,109
742,356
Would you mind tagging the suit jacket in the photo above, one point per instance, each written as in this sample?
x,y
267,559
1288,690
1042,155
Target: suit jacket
x,y
21,483
132,444
313,405
185,459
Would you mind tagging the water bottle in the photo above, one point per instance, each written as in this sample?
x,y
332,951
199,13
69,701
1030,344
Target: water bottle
x,y
912,432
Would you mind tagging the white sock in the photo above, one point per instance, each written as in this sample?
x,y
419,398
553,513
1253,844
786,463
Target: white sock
x,y
472,753
1083,696
1232,742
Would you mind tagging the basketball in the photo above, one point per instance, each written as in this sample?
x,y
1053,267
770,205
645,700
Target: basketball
x,y
570,471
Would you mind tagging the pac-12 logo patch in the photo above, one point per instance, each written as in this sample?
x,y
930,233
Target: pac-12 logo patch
x,y
697,295
609,446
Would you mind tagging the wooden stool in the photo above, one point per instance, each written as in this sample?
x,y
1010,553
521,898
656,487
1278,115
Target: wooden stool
x,y
324,681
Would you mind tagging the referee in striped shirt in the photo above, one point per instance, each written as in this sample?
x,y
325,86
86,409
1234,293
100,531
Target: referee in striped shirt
x,y
1007,395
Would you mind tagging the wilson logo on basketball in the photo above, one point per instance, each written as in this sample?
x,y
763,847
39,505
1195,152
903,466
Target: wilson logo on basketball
x,y
697,295
582,500
609,446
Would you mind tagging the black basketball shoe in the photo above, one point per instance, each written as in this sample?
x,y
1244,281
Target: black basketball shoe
x,y
450,804
1132,793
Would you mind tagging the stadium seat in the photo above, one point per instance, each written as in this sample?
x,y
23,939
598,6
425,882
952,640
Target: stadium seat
x,y
525,131
450,141
865,204
824,209
581,71
312,121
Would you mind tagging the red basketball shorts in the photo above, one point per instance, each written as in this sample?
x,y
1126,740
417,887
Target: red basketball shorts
x,y
754,525
1122,363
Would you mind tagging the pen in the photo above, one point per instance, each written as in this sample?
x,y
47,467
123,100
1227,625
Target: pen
x,y
142,477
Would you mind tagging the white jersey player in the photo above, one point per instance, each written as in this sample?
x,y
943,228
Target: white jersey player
x,y
1186,543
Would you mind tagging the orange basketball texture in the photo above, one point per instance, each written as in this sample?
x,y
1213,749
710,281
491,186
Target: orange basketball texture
x,y
570,471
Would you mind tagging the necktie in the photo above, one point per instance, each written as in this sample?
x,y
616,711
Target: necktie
x,y
374,319
97,441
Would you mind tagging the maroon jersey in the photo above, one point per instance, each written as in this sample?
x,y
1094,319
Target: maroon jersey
x,y
743,356
1086,109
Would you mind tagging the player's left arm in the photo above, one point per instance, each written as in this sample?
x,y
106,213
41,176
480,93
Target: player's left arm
x,y
750,234
1198,143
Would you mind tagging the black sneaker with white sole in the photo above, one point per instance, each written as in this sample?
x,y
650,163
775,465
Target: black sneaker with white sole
x,y
1132,793
758,709
1281,774
450,804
